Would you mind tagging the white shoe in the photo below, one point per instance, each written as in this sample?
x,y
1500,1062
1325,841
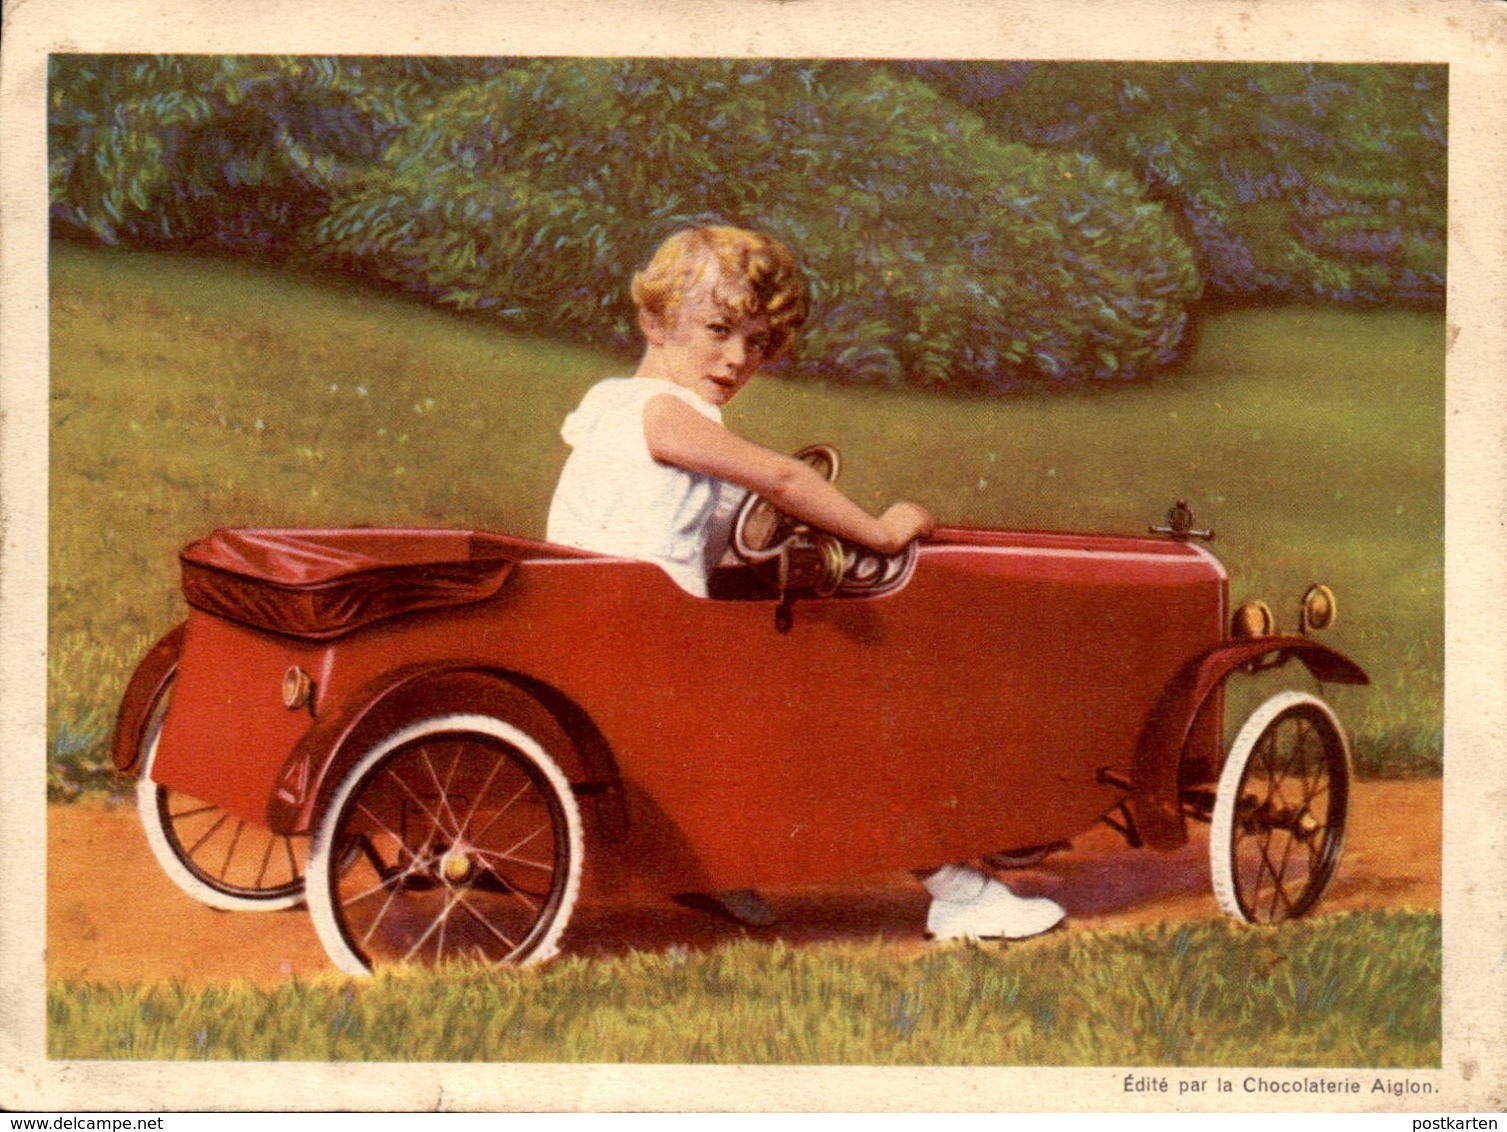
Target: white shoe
x,y
995,913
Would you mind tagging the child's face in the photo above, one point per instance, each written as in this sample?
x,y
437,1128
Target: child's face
x,y
706,348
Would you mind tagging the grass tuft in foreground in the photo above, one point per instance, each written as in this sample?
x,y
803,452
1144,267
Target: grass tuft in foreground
x,y
1352,990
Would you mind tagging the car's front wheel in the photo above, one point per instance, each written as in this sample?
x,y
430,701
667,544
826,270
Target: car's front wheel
x,y
1280,810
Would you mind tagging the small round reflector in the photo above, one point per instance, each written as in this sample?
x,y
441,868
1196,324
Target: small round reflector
x,y
298,686
1251,621
1319,607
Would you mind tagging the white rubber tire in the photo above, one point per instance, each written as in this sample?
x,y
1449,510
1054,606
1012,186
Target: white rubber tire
x,y
1222,833
164,849
323,869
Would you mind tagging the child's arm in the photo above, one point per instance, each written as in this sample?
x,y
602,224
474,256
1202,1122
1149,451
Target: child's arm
x,y
677,434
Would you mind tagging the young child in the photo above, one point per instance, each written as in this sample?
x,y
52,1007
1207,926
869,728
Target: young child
x,y
653,473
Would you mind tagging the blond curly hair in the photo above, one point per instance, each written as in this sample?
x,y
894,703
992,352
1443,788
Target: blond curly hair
x,y
754,274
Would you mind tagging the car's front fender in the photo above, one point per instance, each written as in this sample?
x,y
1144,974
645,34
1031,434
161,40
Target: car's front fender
x,y
1154,799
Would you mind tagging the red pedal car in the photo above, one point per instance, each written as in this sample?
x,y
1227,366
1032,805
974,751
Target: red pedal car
x,y
426,734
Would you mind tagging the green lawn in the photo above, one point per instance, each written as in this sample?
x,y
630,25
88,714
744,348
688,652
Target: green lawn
x,y
190,394
1341,991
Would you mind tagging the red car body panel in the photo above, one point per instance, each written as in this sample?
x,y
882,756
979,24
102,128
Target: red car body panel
x,y
997,699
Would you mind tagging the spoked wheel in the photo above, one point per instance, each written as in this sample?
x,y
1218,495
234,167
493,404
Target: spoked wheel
x,y
1279,813
454,838
218,859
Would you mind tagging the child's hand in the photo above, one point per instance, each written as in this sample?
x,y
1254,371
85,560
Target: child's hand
x,y
904,523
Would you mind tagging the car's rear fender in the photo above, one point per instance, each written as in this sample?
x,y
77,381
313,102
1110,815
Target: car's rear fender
x,y
1154,798
332,747
142,691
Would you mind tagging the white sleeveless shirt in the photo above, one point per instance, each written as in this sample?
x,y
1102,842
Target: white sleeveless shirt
x,y
615,498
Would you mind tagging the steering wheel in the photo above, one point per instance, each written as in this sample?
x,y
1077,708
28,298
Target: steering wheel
x,y
806,557
763,533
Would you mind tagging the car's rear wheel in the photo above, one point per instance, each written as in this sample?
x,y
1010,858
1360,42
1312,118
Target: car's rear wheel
x,y
1280,810
456,837
218,859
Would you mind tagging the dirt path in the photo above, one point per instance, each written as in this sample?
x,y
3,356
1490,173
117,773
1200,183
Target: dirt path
x,y
112,916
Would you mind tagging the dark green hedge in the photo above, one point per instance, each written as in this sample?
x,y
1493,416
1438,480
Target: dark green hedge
x,y
1294,181
231,153
966,225
938,255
